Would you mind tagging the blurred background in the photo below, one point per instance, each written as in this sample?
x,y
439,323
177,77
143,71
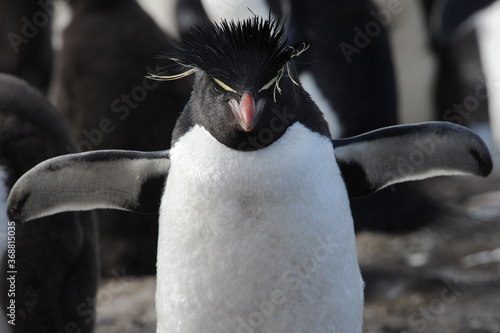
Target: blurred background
x,y
429,252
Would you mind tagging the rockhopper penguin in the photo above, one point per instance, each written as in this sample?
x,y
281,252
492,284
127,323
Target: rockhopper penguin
x,y
256,233
350,76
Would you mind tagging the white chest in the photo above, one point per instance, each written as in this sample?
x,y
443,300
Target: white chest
x,y
257,241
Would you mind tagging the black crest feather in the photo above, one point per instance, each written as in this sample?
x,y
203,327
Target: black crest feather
x,y
246,53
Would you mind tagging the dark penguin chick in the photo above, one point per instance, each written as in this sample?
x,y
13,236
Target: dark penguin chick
x,y
26,43
108,49
254,193
56,260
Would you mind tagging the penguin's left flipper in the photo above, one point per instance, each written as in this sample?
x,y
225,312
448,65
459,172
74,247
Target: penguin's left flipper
x,y
377,159
118,179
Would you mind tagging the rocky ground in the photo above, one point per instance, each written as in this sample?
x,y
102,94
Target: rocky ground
x,y
446,279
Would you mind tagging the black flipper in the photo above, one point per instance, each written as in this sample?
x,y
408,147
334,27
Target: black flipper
x,y
118,179
377,159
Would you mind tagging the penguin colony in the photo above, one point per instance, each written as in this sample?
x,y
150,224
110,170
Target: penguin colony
x,y
253,192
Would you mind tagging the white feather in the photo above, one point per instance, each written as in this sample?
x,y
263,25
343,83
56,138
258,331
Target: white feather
x,y
241,231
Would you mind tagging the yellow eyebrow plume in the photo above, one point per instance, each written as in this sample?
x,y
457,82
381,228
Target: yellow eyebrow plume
x,y
267,85
279,75
296,53
172,77
223,85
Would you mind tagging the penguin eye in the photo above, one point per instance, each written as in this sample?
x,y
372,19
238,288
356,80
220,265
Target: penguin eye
x,y
224,86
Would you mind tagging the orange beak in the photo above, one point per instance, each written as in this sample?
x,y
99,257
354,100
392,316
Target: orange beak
x,y
246,111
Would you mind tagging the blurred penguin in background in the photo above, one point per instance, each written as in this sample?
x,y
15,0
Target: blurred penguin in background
x,y
442,50
52,263
488,25
25,45
101,90
465,39
415,62
349,72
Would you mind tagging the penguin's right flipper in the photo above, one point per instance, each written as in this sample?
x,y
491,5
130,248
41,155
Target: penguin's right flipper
x,y
118,179
395,154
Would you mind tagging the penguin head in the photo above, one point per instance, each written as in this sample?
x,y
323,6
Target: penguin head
x,y
245,80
